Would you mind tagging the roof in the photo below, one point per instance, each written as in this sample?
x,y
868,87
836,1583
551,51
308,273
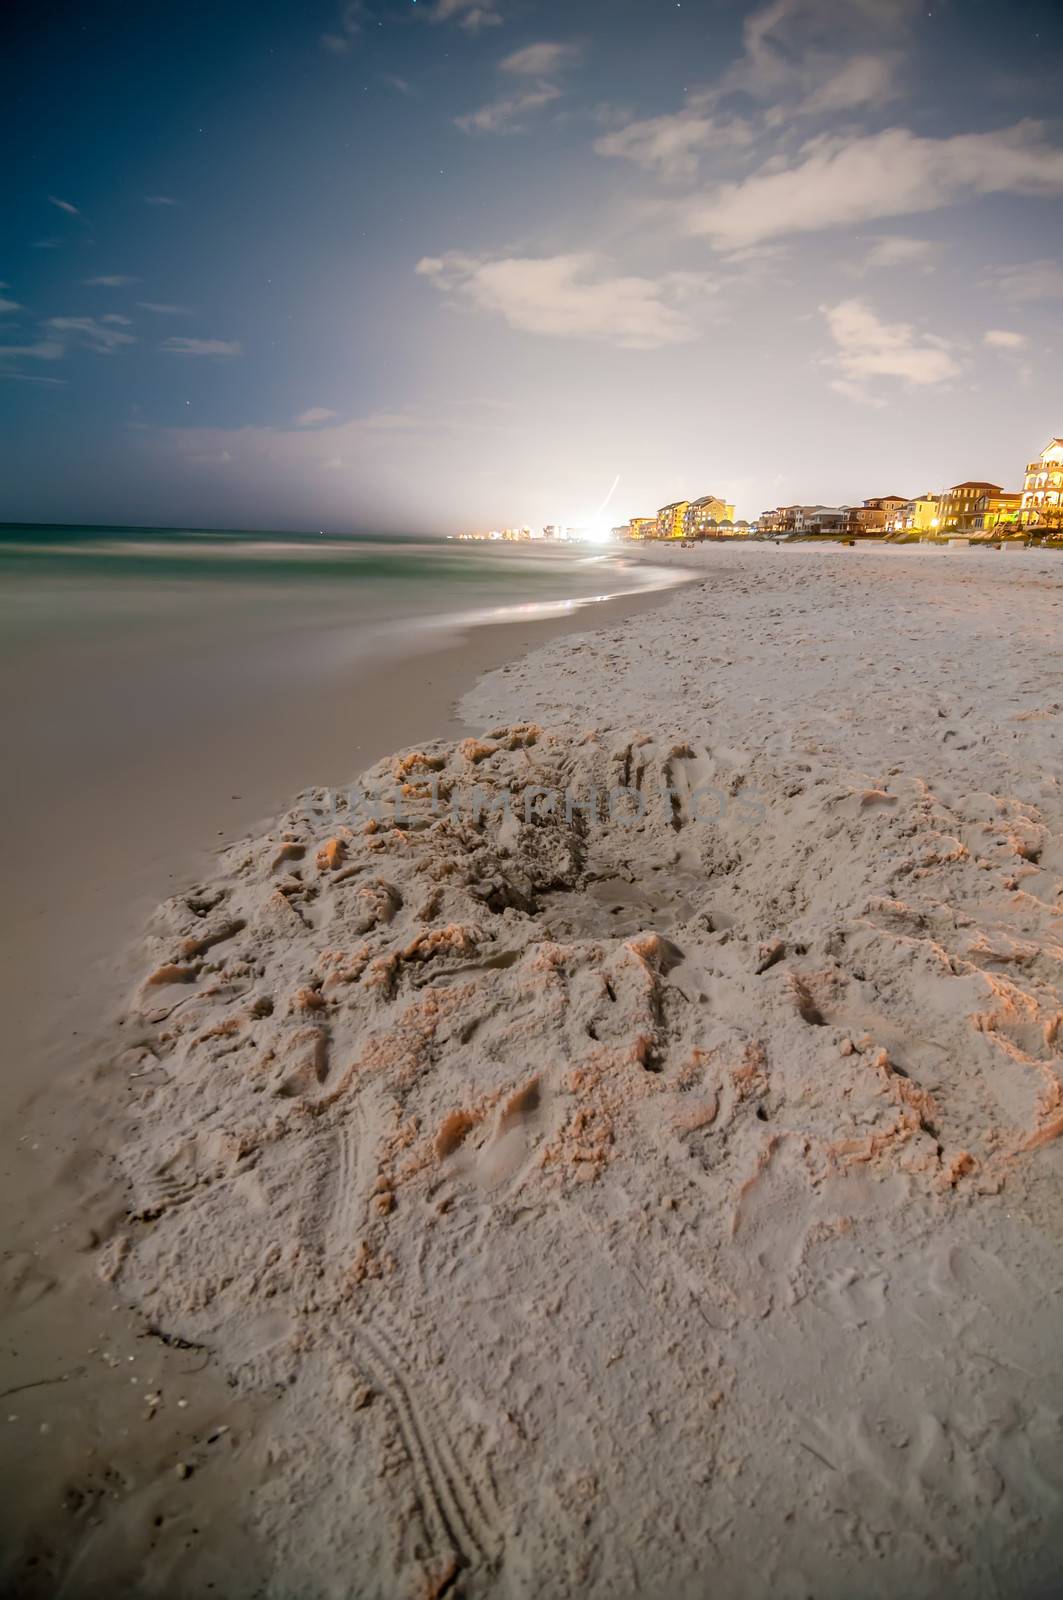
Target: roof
x,y
673,505
975,483
709,500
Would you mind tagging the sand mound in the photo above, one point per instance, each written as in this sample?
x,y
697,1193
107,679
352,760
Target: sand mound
x,y
556,1103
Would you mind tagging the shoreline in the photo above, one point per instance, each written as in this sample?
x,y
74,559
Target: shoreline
x,y
107,856
777,1079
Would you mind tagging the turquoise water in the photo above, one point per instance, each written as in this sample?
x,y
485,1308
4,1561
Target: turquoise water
x,y
85,581
257,557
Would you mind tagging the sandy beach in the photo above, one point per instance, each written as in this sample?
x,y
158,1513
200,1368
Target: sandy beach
x,y
609,1146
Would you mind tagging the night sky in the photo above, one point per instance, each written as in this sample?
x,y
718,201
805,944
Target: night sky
x,y
425,265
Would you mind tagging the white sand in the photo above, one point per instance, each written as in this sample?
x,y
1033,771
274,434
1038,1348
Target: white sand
x,y
662,1206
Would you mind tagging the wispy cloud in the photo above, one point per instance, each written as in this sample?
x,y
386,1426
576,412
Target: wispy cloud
x,y
839,181
1004,339
211,458
868,348
541,62
673,144
802,60
575,297
40,350
351,18
814,57
64,205
201,347
114,280
103,335
1029,280
333,446
896,250
314,416
31,377
162,308
505,115
160,200
8,306
469,14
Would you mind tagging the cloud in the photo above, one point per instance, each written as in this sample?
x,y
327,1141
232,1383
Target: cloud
x,y
672,144
315,414
29,377
114,280
160,200
42,350
868,348
1032,280
469,14
103,336
861,81
351,18
7,306
571,297
64,205
540,60
333,447
896,250
214,458
803,59
841,181
504,116
201,347
1002,339
162,308
816,57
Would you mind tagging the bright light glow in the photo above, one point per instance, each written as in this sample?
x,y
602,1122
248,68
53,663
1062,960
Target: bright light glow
x,y
599,532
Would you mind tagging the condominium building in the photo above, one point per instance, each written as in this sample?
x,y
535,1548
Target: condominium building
x,y
705,515
670,520
643,527
1042,495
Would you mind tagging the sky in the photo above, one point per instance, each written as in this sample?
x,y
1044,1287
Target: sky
x,y
440,265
